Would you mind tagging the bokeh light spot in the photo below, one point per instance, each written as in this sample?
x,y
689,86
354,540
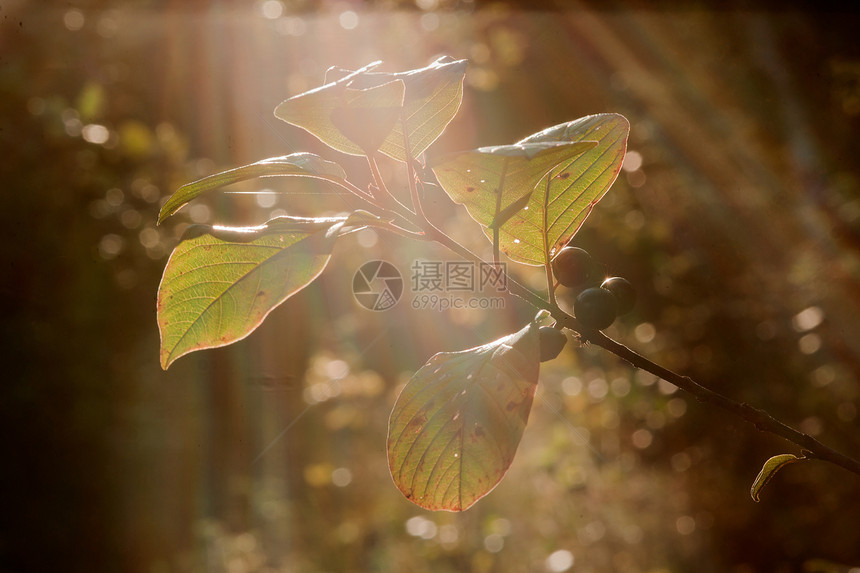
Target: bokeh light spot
x,y
367,238
74,20
110,246
571,386
341,477
421,527
449,536
336,369
620,386
348,20
559,561
807,319
642,438
94,133
685,525
266,198
114,197
598,388
149,237
272,9
676,407
199,213
645,332
632,161
494,542
809,343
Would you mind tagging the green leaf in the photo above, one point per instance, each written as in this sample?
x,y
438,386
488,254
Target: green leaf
x,y
768,470
368,116
221,283
431,100
561,203
497,184
457,423
296,164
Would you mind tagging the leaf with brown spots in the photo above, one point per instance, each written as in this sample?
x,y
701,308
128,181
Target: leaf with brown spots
x,y
497,183
549,183
562,201
458,422
221,283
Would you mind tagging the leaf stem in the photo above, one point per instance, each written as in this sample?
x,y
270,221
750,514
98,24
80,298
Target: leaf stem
x,y
380,184
410,174
549,283
374,205
498,225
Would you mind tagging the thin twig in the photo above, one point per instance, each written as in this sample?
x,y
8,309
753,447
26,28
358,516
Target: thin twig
x,y
410,173
759,418
374,204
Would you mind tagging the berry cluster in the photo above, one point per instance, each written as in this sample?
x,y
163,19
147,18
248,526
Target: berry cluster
x,y
595,307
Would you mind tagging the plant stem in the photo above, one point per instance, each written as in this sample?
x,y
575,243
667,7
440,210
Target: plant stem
x,y
410,173
549,283
374,205
380,184
759,418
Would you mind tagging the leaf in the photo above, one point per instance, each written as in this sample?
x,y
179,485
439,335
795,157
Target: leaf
x,y
457,423
365,119
431,100
474,178
768,470
221,283
561,203
296,164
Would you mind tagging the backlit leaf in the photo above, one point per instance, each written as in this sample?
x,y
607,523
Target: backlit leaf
x,y
296,164
496,183
768,470
431,99
457,423
561,203
221,282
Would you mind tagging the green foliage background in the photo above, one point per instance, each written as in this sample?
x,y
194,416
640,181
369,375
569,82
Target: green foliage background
x,y
743,214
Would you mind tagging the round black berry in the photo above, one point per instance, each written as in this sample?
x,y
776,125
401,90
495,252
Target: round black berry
x,y
595,308
623,291
573,267
552,340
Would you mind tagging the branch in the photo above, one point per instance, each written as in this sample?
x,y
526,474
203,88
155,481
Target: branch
x,y
759,418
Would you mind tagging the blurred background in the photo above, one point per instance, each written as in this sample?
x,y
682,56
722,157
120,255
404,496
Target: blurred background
x,y
736,215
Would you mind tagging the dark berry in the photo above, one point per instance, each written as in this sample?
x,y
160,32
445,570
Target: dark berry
x,y
573,267
625,294
552,340
595,308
